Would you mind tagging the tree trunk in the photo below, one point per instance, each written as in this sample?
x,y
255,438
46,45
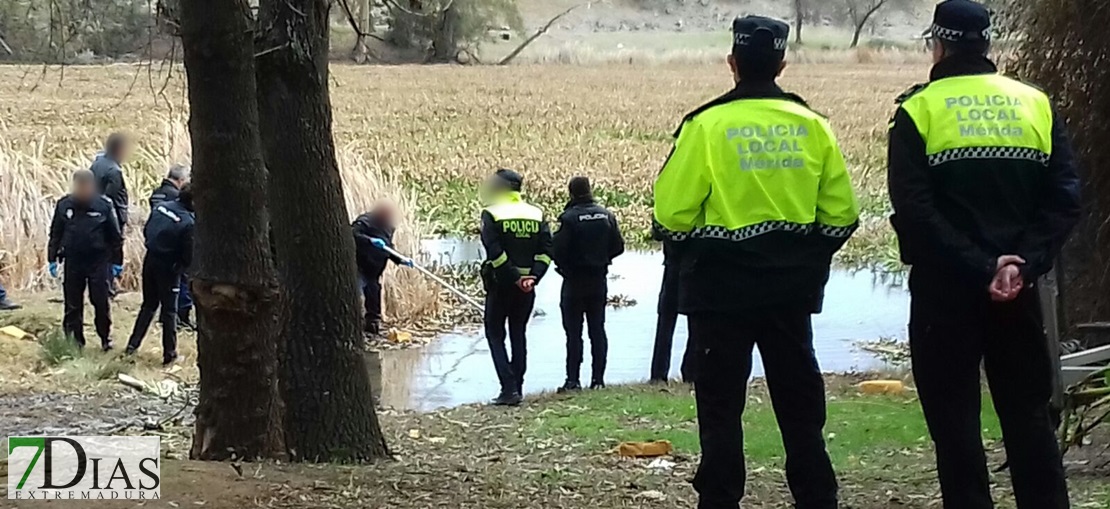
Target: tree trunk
x,y
329,410
856,34
1063,43
445,42
861,21
365,24
799,19
239,414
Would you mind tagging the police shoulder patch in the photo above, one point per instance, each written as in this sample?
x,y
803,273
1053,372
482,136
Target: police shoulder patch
x,y
912,91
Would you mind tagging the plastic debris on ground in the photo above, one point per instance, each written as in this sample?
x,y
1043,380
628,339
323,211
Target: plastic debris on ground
x,y
13,332
882,387
645,449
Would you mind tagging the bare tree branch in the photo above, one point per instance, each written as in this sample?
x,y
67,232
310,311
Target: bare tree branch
x,y
543,30
420,14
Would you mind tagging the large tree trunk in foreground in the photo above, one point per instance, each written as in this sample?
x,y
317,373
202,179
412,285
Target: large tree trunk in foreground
x,y
239,414
1065,49
329,410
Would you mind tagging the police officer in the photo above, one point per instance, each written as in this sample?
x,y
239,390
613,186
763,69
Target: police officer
x,y
107,167
373,232
667,319
517,241
86,237
984,188
757,199
585,245
170,187
168,191
169,252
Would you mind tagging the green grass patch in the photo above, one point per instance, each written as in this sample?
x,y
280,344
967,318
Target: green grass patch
x,y
58,348
860,429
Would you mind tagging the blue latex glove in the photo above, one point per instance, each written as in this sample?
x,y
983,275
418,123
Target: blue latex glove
x,y
378,243
53,268
117,270
407,262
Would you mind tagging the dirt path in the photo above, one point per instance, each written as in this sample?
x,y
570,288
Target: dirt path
x,y
555,453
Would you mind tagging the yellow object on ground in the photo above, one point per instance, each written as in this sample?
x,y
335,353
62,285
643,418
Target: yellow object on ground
x,y
398,336
882,387
14,332
645,449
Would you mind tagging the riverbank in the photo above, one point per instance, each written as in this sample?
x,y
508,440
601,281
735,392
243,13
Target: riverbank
x,y
556,452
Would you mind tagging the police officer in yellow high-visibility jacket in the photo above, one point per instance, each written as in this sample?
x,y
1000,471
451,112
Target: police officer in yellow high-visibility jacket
x,y
518,252
756,197
984,189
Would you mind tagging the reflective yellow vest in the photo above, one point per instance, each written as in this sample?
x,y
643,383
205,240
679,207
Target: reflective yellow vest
x,y
983,116
752,166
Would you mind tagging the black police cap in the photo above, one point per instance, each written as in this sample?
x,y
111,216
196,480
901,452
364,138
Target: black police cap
x,y
511,179
759,34
961,21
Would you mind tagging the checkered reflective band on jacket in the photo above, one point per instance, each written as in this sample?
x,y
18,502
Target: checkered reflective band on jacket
x,y
982,117
757,198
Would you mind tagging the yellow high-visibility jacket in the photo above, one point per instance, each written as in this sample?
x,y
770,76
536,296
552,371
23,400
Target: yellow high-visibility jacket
x,y
757,198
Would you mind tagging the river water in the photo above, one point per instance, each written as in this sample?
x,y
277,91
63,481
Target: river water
x,y
456,368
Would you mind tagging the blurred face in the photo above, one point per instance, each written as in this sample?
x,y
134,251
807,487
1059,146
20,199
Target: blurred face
x,y
385,212
83,191
492,189
123,153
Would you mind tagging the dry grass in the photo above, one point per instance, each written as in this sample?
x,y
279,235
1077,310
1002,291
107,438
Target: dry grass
x,y
425,136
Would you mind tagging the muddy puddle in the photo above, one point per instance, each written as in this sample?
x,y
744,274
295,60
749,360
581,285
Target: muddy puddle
x,y
456,369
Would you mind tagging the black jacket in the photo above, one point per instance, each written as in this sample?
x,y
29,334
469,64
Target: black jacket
x,y
109,178
371,261
517,244
956,219
587,240
169,235
85,233
165,192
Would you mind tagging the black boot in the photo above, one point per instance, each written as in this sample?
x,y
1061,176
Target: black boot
x,y
597,384
169,359
508,399
569,386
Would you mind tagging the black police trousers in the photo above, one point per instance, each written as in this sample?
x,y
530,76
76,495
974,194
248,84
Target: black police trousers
x,y
506,303
161,285
92,275
955,329
372,302
585,296
664,331
724,360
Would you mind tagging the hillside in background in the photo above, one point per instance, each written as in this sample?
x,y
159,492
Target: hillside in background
x,y
684,16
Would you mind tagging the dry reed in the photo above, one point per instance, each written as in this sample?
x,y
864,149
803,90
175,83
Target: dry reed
x,y
31,183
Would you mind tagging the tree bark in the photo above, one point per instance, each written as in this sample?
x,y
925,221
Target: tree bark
x,y
1062,45
445,43
234,283
861,21
799,19
329,410
365,24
